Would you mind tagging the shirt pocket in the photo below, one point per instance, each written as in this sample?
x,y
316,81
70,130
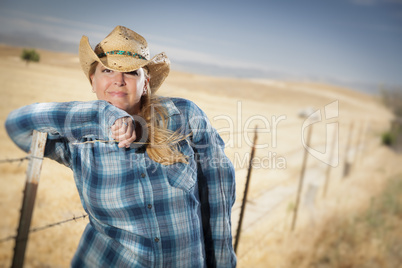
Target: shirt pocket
x,y
181,175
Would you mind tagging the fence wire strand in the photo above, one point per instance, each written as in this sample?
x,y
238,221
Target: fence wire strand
x,y
2,161
245,251
21,159
36,229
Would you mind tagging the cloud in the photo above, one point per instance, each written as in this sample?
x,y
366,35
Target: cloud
x,y
61,29
53,30
190,56
375,2
19,23
394,1
365,2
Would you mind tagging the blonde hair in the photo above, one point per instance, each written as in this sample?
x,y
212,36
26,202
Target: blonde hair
x,y
163,144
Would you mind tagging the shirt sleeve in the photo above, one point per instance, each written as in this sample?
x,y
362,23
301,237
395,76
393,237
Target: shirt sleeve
x,y
216,177
65,122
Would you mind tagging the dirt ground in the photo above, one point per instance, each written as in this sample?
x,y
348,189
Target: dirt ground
x,y
235,107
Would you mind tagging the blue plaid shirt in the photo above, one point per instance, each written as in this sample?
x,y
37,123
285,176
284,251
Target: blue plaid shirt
x,y
142,213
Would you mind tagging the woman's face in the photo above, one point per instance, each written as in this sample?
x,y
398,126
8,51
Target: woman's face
x,y
123,90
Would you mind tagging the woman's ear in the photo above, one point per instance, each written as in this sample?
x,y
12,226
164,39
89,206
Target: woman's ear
x,y
147,81
145,90
146,86
91,77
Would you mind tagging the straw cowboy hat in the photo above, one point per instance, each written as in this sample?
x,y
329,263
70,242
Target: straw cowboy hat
x,y
124,50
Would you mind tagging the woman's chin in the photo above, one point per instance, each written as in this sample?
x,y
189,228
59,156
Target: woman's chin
x,y
118,105
121,106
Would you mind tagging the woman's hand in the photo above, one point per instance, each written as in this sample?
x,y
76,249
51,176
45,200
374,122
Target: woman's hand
x,y
123,131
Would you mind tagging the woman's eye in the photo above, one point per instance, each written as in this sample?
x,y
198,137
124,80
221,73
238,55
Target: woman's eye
x,y
133,72
106,71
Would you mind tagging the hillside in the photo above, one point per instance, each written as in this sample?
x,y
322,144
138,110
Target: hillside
x,y
234,107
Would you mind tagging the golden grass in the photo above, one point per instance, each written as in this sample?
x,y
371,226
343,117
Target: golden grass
x,y
370,237
356,225
58,78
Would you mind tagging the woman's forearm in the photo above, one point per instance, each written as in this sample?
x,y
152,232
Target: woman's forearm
x,y
70,120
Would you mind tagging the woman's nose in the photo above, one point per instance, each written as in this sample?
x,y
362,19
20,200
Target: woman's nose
x,y
119,79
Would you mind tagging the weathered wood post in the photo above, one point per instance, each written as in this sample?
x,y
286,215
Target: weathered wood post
x,y
327,172
346,165
28,201
362,144
302,173
243,206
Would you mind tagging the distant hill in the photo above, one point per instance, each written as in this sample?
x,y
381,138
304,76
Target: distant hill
x,y
39,41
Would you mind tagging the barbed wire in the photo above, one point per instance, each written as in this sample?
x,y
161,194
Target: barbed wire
x,y
269,129
11,160
74,218
36,229
2,161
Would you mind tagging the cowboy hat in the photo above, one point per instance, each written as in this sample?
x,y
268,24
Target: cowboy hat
x,y
124,50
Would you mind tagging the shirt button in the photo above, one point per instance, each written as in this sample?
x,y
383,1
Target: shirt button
x,y
156,239
142,175
149,206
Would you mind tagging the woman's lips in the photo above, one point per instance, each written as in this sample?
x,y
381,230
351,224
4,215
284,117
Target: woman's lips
x,y
119,94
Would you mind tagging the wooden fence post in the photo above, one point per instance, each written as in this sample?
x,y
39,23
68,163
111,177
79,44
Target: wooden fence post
x,y
358,142
363,141
334,137
243,206
346,165
302,173
28,201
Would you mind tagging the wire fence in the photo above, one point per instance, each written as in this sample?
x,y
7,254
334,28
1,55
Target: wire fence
x,y
36,229
41,228
254,243
20,160
356,145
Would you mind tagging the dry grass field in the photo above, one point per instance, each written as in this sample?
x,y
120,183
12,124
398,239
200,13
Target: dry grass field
x,y
235,107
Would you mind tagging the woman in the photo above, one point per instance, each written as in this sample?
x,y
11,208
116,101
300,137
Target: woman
x,y
150,171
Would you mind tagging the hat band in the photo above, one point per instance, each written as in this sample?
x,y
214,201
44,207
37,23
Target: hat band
x,y
121,52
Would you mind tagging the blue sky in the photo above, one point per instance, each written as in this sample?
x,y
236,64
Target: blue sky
x,y
355,42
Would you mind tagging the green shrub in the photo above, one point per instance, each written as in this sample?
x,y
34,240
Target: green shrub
x,y
29,55
388,139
